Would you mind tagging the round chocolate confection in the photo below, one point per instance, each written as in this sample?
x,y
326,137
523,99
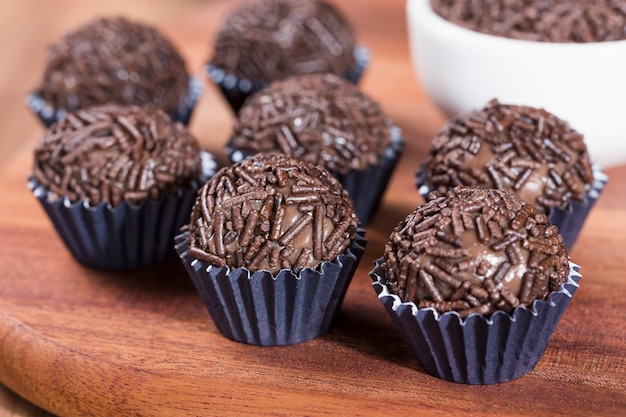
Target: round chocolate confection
x,y
524,149
320,118
114,60
267,40
272,212
116,153
475,250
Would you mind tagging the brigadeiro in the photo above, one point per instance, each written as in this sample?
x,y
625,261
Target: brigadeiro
x,y
271,247
118,182
326,120
268,40
476,280
520,148
114,60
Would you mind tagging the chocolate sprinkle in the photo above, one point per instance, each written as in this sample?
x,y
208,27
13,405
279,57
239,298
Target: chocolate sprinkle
x,y
277,233
486,273
540,20
116,153
524,149
114,60
268,40
328,121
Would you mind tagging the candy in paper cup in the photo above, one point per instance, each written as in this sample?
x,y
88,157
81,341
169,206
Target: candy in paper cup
x,y
478,349
125,237
569,220
262,309
236,90
49,115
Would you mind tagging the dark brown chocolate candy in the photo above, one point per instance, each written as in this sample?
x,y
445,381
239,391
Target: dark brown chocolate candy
x,y
524,149
272,212
267,40
115,153
114,60
540,20
320,118
475,250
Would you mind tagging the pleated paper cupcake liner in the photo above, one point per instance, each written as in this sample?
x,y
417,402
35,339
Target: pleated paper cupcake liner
x,y
477,350
125,237
569,221
262,309
366,188
49,115
236,90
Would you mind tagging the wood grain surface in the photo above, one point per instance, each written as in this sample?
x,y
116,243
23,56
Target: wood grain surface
x,y
80,342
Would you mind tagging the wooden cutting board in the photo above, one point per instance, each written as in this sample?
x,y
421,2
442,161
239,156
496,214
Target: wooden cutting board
x,y
81,342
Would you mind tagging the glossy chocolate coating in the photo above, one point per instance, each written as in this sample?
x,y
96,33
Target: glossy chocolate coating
x,y
475,250
272,212
115,153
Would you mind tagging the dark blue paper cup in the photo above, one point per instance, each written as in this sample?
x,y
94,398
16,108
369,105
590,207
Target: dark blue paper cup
x,y
125,237
236,90
569,220
477,350
49,115
262,309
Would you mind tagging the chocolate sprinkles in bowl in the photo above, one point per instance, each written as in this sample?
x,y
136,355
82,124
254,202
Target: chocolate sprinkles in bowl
x,y
540,20
476,280
272,227
117,183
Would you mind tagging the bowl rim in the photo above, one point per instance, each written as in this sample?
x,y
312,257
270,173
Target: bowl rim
x,y
422,13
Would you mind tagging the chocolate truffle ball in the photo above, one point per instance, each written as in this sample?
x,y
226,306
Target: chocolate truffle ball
x,y
524,149
271,212
116,153
475,250
320,118
114,60
268,40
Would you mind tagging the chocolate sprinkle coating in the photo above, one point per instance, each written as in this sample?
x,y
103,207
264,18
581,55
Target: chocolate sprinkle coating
x,y
540,20
271,212
320,118
114,60
524,149
268,40
115,153
475,250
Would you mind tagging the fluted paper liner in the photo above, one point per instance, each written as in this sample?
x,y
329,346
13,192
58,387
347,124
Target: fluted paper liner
x,y
50,115
569,221
478,349
236,90
262,309
125,237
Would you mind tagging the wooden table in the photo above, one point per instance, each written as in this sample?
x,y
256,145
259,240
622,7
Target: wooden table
x,y
78,342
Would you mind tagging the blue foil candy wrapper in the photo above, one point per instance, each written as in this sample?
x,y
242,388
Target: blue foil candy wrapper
x,y
236,90
478,349
48,115
262,309
569,220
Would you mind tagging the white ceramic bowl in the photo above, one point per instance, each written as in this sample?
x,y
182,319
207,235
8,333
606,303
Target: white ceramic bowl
x,y
582,83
